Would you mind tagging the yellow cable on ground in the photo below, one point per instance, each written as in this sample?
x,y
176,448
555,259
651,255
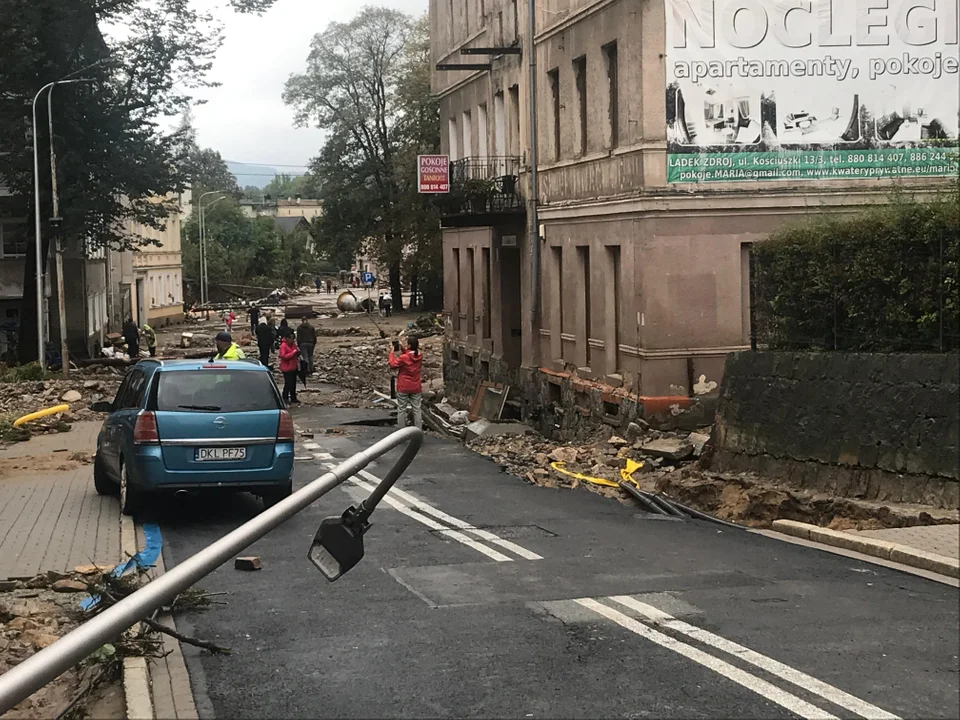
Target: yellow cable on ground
x,y
560,467
41,413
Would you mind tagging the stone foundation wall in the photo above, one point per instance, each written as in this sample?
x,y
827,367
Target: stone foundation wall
x,y
563,406
874,426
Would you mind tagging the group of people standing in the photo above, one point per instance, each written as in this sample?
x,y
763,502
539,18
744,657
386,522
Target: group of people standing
x,y
295,349
132,335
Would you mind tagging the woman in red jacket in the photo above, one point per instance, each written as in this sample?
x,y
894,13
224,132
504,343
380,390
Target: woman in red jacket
x,y
409,385
289,366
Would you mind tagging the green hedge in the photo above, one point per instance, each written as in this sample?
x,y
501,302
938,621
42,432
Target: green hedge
x,y
881,280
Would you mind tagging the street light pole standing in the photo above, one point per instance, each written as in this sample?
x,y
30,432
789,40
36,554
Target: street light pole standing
x,y
55,220
38,255
204,286
203,248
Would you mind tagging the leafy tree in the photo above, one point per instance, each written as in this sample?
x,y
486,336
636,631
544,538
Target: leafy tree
x,y
114,158
368,83
350,89
285,186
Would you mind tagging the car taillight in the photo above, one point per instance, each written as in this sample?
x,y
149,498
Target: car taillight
x,y
145,431
285,427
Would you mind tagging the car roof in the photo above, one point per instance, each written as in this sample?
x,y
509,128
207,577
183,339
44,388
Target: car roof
x,y
176,365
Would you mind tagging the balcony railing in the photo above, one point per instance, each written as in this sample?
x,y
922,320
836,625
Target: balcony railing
x,y
483,186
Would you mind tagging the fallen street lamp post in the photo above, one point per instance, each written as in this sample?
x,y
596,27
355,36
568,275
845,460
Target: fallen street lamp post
x,y
338,537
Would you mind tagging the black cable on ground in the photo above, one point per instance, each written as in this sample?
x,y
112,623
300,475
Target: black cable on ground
x,y
702,515
668,508
639,497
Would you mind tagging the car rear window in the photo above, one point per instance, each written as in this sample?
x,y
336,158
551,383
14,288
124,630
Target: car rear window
x,y
215,390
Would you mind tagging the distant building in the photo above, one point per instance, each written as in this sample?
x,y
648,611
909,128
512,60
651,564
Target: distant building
x,y
153,291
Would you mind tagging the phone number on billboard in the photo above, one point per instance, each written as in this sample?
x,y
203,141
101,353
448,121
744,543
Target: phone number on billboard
x,y
807,165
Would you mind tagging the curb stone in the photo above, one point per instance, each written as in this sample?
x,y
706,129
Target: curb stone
x,y
869,546
136,689
135,679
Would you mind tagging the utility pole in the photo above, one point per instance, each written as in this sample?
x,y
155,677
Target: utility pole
x,y
203,246
38,236
533,216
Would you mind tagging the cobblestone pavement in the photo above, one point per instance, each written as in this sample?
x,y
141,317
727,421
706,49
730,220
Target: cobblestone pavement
x,y
937,539
55,520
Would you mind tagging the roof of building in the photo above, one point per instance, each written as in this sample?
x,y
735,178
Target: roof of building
x,y
289,224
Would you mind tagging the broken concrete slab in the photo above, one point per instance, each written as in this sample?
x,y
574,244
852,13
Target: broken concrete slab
x,y
668,449
698,440
486,428
248,563
565,454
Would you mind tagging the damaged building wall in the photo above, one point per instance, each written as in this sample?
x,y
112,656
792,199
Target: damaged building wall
x,y
644,284
872,426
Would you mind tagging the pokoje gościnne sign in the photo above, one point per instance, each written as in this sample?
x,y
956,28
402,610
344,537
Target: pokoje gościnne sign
x,y
811,89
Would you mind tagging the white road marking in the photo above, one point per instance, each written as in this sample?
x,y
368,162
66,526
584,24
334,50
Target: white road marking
x,y
774,667
428,509
761,687
311,446
441,529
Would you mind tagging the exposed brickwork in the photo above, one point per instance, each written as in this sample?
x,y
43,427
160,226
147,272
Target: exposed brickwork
x,y
562,405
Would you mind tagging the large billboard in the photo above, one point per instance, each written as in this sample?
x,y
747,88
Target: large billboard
x,y
811,89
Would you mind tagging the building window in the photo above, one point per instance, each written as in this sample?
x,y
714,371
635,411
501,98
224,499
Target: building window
x,y
584,253
467,134
613,83
580,73
168,296
453,139
554,78
450,23
613,313
13,238
516,21
472,287
499,29
499,126
558,269
485,289
153,292
514,121
177,288
457,299
482,130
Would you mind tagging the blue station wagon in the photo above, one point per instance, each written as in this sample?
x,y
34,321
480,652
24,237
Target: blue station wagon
x,y
190,425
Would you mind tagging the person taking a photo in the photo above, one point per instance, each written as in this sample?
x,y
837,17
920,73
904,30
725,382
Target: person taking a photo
x,y
409,383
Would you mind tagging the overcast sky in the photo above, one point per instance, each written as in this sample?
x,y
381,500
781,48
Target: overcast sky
x,y
245,118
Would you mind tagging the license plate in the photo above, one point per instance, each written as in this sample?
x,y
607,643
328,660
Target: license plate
x,y
221,454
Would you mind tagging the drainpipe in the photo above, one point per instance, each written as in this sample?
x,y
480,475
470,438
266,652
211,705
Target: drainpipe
x,y
534,219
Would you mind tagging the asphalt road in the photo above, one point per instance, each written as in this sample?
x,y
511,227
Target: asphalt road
x,y
550,603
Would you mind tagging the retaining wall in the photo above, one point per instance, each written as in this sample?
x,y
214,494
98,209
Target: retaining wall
x,y
874,426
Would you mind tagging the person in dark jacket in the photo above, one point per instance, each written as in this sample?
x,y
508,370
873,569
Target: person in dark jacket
x,y
131,334
254,318
265,339
409,383
307,340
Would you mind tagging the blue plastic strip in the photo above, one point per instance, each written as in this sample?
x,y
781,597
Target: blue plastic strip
x,y
153,544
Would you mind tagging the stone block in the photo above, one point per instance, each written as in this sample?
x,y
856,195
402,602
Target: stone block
x,y
249,563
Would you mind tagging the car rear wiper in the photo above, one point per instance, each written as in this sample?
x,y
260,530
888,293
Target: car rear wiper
x,y
211,408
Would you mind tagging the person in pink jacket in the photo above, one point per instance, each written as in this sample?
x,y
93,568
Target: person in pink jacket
x,y
289,366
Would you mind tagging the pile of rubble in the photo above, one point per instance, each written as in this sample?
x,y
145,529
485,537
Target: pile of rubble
x,y
543,462
79,391
363,369
35,613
